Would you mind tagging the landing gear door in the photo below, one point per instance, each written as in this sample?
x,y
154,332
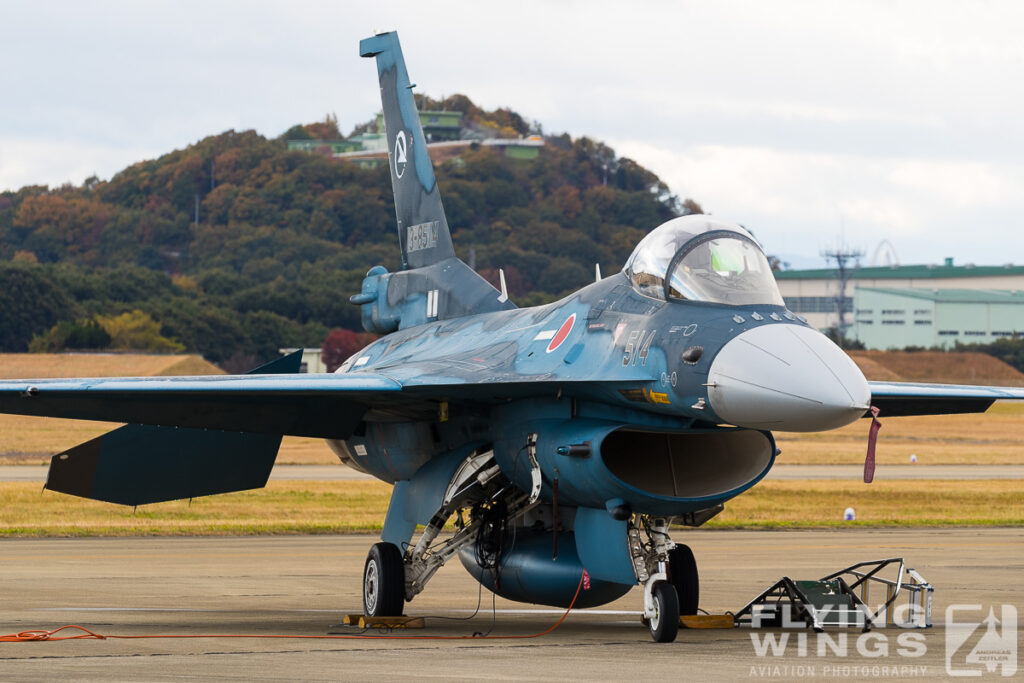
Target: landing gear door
x,y
602,543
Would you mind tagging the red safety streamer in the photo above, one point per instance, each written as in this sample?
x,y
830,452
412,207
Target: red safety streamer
x,y
869,460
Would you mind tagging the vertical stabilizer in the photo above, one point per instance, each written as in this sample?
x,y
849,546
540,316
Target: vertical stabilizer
x,y
422,227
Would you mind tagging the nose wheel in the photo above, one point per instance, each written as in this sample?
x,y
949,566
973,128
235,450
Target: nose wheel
x,y
682,568
664,623
384,581
668,574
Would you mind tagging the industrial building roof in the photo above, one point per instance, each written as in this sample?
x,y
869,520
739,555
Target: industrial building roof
x,y
955,296
903,272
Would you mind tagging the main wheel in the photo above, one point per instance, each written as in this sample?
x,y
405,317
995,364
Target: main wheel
x,y
384,581
682,570
664,624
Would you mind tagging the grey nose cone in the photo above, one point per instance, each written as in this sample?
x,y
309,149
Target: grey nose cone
x,y
786,377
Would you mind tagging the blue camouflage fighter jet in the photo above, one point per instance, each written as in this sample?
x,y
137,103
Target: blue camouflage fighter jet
x,y
561,438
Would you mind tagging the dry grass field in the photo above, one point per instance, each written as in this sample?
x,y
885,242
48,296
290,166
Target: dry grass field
x,y
936,366
291,507
994,438
54,365
32,440
909,502
280,508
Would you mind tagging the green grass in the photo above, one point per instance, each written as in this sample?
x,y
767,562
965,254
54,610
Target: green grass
x,y
899,503
316,507
291,507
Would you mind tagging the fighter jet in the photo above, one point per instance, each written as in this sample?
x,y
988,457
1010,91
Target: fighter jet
x,y
566,441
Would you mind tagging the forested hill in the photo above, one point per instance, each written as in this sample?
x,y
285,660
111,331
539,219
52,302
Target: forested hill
x,y
284,238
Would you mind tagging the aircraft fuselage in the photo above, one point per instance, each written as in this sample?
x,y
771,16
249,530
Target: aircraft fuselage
x,y
657,402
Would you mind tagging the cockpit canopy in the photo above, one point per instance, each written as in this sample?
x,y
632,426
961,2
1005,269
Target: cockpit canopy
x,y
697,258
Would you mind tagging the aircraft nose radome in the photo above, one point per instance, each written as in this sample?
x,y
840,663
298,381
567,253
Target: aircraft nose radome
x,y
786,377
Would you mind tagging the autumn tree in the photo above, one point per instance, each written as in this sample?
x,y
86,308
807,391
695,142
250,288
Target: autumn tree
x,y
137,331
284,238
30,304
340,345
326,129
68,334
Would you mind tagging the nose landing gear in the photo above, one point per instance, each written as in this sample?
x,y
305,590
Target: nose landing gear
x,y
682,569
668,573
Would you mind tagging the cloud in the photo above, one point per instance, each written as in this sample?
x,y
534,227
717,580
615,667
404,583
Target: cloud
x,y
970,185
799,119
43,162
797,202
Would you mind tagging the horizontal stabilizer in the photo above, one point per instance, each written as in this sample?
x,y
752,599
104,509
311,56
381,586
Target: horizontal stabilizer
x,y
138,464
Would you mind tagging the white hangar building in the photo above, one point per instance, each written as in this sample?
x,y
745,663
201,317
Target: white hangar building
x,y
926,305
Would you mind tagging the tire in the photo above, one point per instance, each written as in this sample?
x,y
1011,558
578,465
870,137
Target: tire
x,y
665,624
384,581
682,571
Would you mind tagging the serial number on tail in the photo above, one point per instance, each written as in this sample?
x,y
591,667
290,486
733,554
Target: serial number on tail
x,y
421,236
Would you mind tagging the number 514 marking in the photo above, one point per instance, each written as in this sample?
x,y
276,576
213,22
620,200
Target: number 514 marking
x,y
637,346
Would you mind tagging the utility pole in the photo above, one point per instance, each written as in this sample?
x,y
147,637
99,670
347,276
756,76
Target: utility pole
x,y
842,256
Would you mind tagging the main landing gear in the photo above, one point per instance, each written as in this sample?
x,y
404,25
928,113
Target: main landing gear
x,y
384,581
391,577
666,571
668,574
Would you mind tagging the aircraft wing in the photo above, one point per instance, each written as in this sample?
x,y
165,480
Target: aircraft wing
x,y
896,399
197,436
315,405
298,404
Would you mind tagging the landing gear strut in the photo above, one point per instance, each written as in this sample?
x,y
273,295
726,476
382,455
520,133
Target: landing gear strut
x,y
668,574
391,578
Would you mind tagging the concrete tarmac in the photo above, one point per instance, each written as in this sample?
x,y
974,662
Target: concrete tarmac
x,y
301,585
853,472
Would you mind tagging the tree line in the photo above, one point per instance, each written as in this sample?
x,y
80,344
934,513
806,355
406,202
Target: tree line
x,y
283,238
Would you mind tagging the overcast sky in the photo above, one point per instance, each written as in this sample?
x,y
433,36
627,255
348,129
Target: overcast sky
x,y
811,123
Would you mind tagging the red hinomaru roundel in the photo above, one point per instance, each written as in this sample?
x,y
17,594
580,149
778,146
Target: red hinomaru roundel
x,y
562,333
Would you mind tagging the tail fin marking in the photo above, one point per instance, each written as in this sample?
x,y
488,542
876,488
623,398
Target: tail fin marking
x,y
422,227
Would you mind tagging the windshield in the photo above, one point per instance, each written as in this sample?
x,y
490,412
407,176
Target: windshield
x,y
702,259
723,269
651,259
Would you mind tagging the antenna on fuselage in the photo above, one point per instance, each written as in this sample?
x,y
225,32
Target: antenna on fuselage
x,y
597,272
504,288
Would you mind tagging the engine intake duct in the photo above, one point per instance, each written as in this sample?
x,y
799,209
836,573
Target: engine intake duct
x,y
635,467
687,464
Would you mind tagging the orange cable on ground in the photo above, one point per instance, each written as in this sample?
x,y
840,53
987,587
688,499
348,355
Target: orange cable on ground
x,y
41,635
